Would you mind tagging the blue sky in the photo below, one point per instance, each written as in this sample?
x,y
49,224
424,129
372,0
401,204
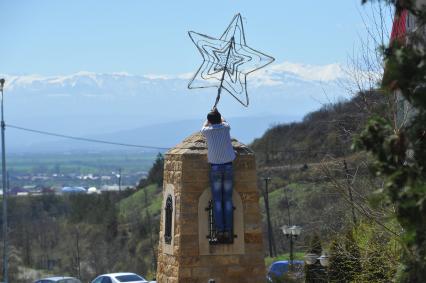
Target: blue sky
x,y
54,37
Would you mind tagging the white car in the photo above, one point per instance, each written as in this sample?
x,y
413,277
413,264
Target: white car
x,y
120,278
58,279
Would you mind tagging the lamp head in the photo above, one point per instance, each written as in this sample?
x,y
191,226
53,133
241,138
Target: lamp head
x,y
2,83
324,260
310,258
296,230
286,230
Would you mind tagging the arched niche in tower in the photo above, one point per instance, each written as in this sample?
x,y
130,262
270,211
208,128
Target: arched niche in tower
x,y
205,226
169,206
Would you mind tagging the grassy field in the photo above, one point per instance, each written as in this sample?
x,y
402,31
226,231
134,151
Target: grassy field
x,y
80,163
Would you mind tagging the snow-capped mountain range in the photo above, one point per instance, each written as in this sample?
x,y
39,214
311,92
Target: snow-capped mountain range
x,y
95,104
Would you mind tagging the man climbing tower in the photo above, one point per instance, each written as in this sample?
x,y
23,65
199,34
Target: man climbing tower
x,y
220,156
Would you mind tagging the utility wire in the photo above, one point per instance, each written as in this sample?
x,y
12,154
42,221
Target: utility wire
x,y
85,139
338,150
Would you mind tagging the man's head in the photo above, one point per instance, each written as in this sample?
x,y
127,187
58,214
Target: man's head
x,y
214,117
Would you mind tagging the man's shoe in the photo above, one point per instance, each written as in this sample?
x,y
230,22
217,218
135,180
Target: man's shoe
x,y
220,237
228,237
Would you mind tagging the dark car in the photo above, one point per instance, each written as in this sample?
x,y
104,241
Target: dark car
x,y
279,269
58,279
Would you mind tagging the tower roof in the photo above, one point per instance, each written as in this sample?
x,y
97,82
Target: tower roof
x,y
196,144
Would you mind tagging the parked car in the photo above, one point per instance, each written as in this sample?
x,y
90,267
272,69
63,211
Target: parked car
x,y
58,279
120,277
280,269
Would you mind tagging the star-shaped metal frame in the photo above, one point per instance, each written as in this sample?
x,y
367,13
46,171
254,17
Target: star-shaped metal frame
x,y
227,61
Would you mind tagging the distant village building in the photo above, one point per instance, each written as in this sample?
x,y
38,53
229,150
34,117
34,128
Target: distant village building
x,y
116,188
73,190
29,187
93,190
88,177
16,191
110,188
106,178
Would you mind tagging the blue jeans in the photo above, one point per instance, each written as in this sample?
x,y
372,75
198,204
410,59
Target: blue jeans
x,y
221,183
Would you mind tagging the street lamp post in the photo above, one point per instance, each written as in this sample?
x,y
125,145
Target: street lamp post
x,y
3,175
268,218
291,232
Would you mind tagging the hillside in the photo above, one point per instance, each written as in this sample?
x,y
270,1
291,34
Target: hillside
x,y
312,169
327,131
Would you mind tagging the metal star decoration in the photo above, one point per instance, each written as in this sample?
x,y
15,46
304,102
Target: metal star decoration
x,y
227,61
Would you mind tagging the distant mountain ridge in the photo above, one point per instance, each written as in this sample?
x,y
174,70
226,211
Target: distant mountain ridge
x,y
271,75
93,104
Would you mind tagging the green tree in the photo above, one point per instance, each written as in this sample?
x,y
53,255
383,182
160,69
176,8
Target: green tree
x,y
400,153
155,174
337,269
376,265
353,260
345,259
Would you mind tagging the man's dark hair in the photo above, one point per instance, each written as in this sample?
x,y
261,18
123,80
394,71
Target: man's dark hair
x,y
214,117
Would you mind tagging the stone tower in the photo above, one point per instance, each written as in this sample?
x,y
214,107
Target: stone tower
x,y
185,253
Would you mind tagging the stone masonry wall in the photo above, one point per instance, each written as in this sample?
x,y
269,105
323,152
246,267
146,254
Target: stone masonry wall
x,y
186,168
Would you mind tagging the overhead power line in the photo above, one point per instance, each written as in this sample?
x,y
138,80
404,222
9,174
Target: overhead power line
x,y
265,151
85,139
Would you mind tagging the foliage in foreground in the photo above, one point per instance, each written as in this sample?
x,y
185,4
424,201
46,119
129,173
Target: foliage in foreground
x,y
366,253
400,153
345,260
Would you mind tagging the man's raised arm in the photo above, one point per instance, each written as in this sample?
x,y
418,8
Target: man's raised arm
x,y
206,123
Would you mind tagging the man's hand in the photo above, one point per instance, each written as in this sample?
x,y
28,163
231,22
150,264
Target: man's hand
x,y
206,123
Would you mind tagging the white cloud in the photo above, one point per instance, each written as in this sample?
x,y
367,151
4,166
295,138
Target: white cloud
x,y
278,74
327,73
273,75
265,78
121,74
156,77
24,81
185,76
